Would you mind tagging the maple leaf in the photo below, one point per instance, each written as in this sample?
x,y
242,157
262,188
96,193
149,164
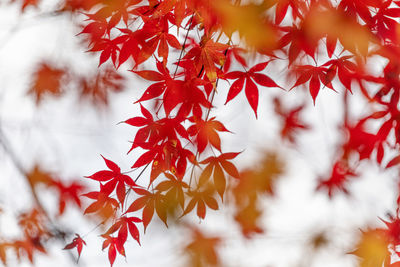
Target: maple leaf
x,y
252,183
298,41
234,52
149,202
291,120
174,187
363,142
201,198
383,23
109,49
97,88
130,48
298,8
206,132
206,55
326,22
143,134
123,225
170,157
33,223
113,246
164,8
103,204
153,34
315,75
28,246
161,140
251,89
77,243
115,11
250,21
189,94
372,249
114,178
38,176
393,231
144,42
346,70
48,80
248,218
157,31
96,29
217,165
340,174
203,249
153,132
260,179
67,193
358,7
163,78
204,16
175,91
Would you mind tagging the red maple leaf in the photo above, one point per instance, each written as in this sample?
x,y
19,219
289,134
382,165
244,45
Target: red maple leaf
x,y
114,178
340,174
67,193
206,132
315,75
205,55
123,225
291,121
77,243
113,246
251,89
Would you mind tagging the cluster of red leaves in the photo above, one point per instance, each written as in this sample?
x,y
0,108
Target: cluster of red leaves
x,y
180,131
194,46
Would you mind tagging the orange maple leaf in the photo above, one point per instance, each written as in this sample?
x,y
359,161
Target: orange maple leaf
x,y
48,80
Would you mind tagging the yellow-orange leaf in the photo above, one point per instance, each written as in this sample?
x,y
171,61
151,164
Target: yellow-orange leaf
x,y
372,249
337,25
250,21
203,249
